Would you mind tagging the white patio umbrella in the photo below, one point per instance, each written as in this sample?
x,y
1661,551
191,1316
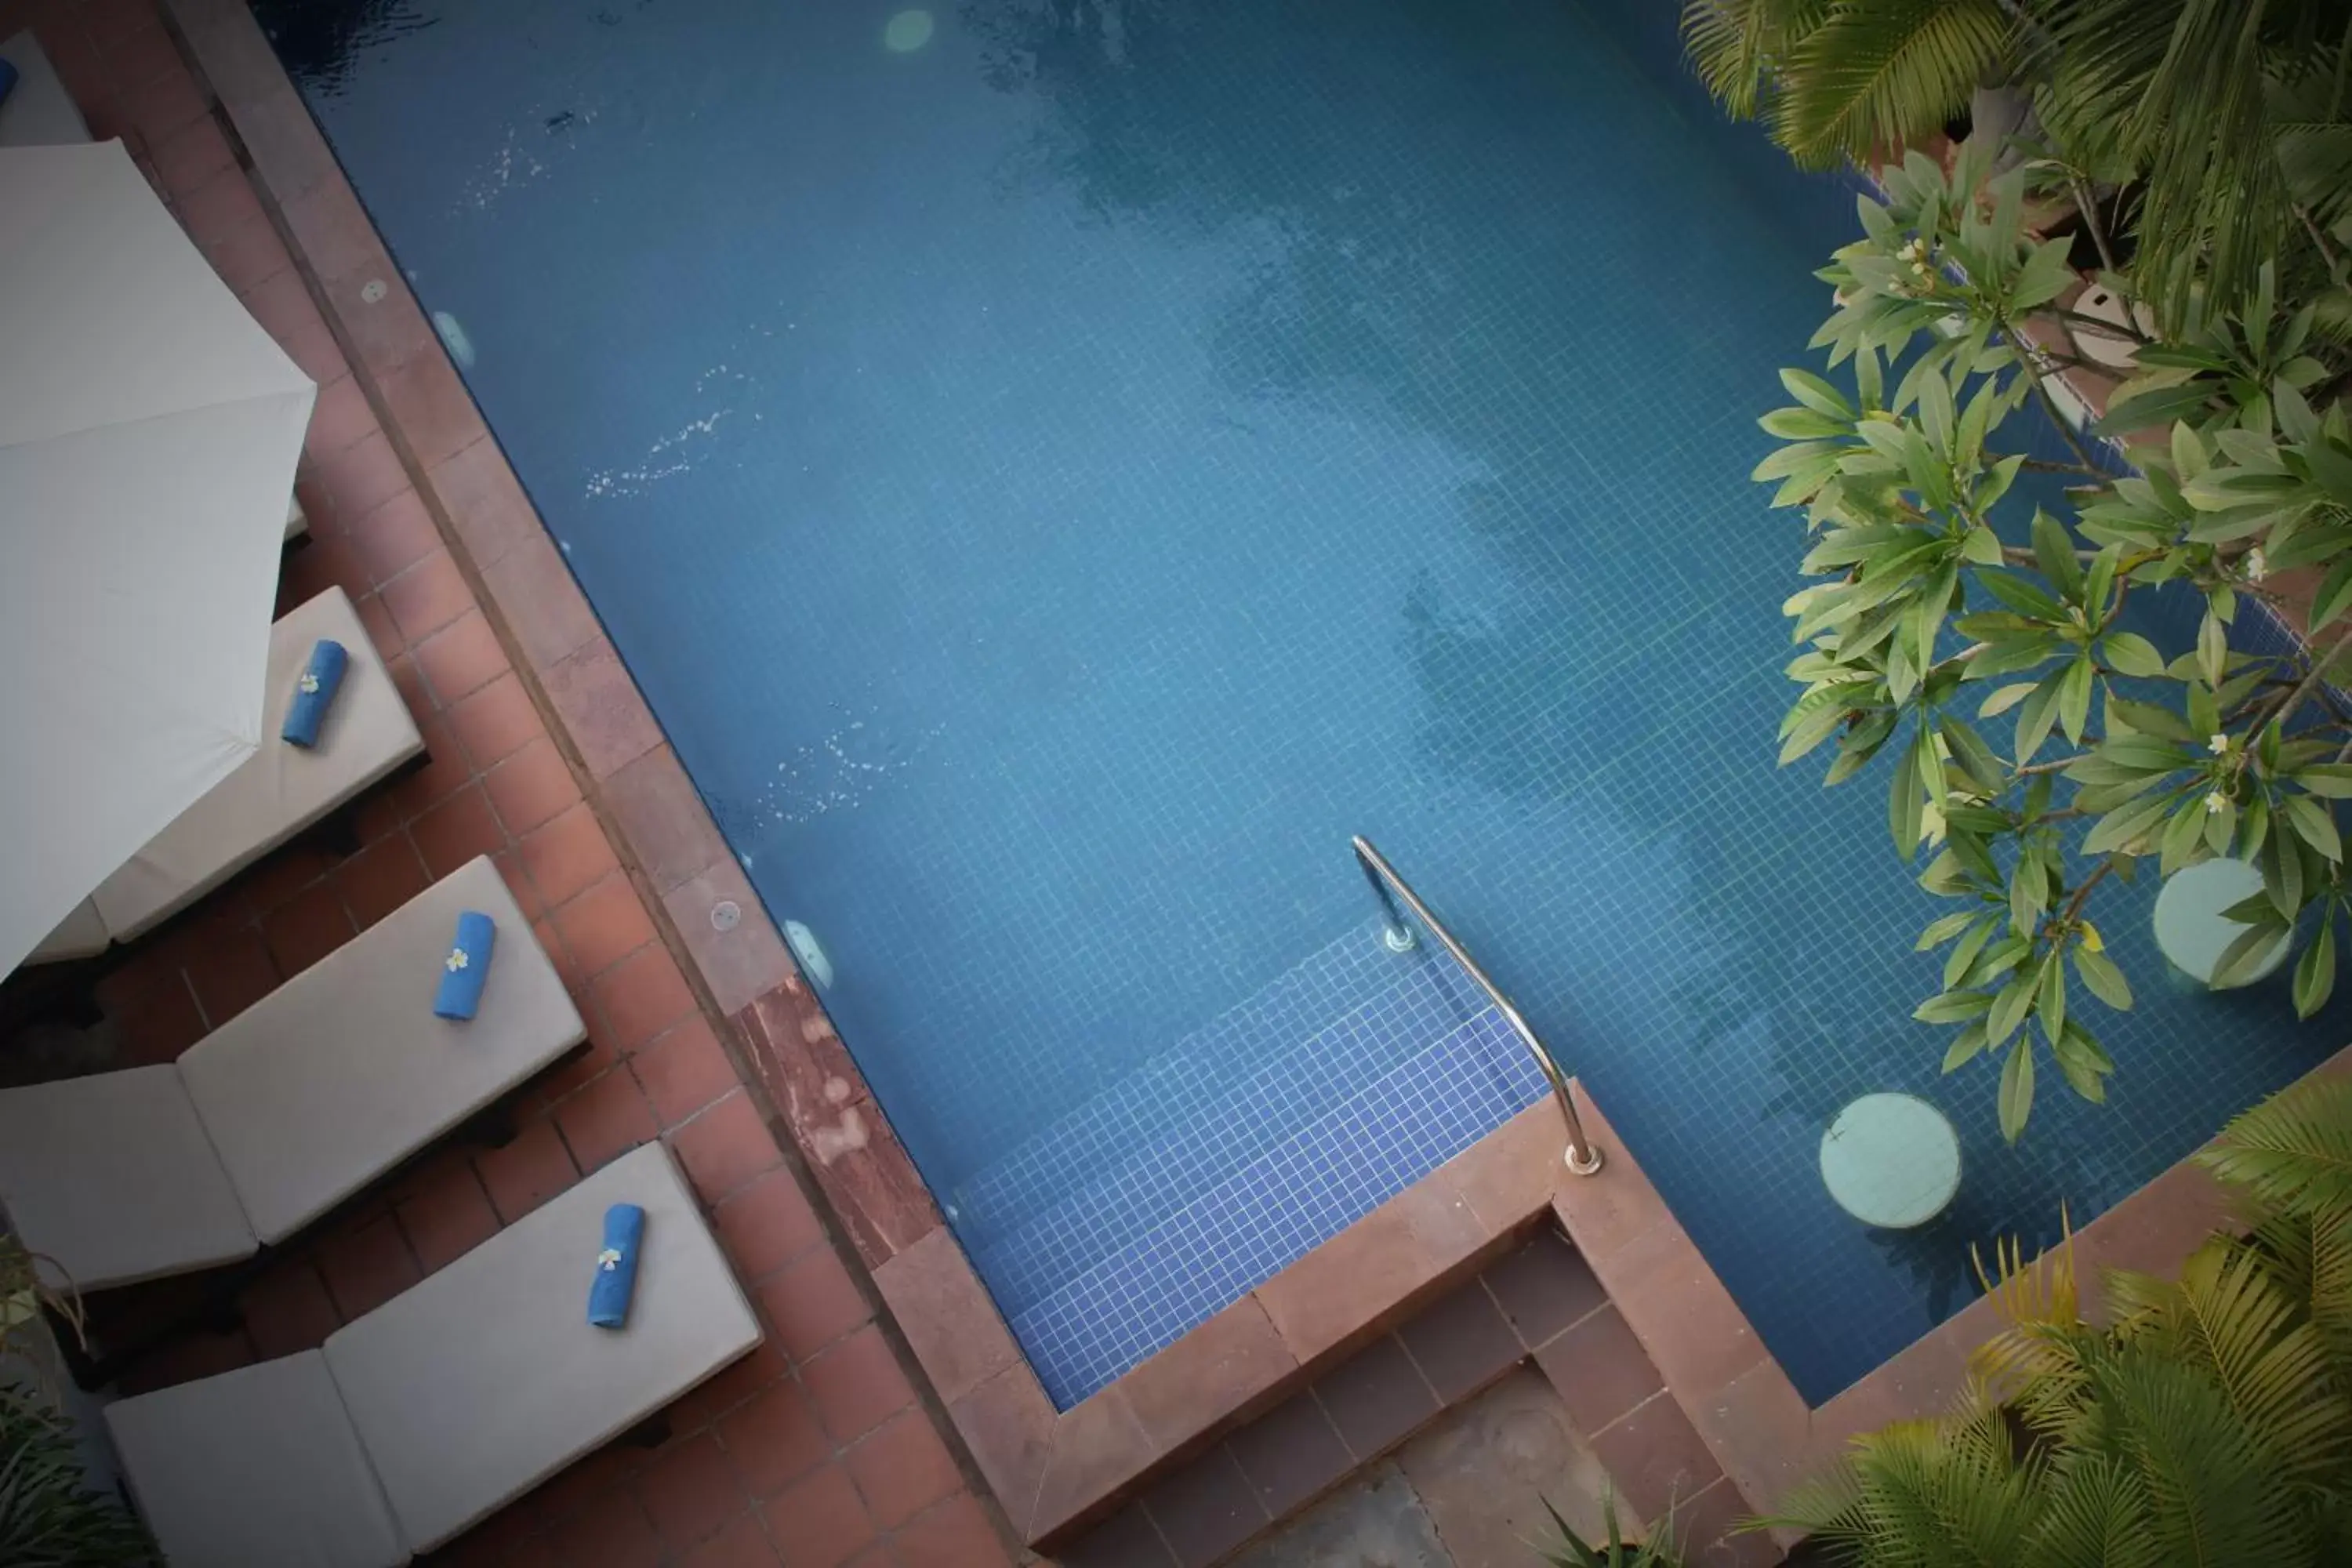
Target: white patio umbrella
x,y
148,433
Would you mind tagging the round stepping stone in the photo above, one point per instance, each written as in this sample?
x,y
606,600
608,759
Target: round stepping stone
x,y
1891,1161
2191,928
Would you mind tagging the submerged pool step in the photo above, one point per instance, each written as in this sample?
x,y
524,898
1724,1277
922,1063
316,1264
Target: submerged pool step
x,y
1189,1120
1294,1194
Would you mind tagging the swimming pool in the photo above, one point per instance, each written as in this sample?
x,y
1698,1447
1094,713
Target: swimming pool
x,y
1057,470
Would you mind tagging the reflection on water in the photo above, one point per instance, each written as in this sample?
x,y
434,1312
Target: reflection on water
x,y
1059,473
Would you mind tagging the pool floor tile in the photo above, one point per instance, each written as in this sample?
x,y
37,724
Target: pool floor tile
x,y
820,1521
1601,1370
528,1171
1654,1455
1462,1343
1376,1399
1544,1287
812,1302
742,1544
1291,1454
605,1119
1128,1538
857,1385
447,1216
686,1070
953,1533
1205,1508
725,1147
496,720
774,1439
568,856
902,1467
690,1491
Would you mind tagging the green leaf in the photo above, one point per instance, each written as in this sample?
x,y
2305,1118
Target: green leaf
x,y
2084,1063
2148,719
2314,824
1906,802
2334,595
1943,930
2333,780
2130,654
2009,1005
1975,759
2314,972
2213,648
2122,828
1963,958
2054,552
1952,1006
1980,546
2051,1007
1816,394
2040,714
2016,1087
2005,698
1965,1046
2074,697
2099,972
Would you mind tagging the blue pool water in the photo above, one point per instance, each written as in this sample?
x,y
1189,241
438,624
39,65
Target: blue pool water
x,y
1059,468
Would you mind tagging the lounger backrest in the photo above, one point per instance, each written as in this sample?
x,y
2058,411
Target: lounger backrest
x,y
38,112
279,790
255,1468
340,1074
471,1388
113,1178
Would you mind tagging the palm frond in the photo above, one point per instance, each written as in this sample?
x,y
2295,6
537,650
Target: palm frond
x,y
2096,1515
1880,73
2215,1493
2293,1153
1736,44
2235,1319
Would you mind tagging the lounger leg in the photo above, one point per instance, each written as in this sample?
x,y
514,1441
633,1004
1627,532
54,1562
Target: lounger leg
x,y
339,835
493,1126
650,1433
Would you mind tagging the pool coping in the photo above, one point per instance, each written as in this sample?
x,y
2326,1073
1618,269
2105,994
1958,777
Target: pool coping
x,y
1053,1472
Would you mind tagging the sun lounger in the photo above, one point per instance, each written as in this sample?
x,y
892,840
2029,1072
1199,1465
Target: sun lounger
x,y
38,111
297,1104
280,790
426,1415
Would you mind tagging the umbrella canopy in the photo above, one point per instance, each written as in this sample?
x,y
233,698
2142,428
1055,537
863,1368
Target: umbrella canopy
x,y
149,429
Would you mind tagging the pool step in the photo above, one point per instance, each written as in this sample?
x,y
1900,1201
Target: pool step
x,y
1154,1141
1293,1194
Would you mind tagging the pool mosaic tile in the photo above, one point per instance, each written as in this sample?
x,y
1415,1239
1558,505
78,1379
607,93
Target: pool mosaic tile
x,y
1055,484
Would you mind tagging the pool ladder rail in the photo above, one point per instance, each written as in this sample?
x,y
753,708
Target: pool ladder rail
x,y
1396,897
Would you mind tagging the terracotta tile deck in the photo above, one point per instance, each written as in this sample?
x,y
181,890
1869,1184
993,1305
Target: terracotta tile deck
x,y
815,1449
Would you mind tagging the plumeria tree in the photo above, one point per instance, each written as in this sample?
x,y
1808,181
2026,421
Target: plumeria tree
x,y
1987,656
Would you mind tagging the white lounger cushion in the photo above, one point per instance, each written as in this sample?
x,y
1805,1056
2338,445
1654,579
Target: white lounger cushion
x,y
38,112
474,1386
343,1071
281,789
256,1466
459,1395
82,934
113,1176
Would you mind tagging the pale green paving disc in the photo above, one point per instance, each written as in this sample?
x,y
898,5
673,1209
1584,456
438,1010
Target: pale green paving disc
x,y
907,32
1891,1161
2190,925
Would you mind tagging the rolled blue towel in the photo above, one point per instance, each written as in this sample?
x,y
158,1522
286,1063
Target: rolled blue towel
x,y
617,1267
7,80
467,967
314,691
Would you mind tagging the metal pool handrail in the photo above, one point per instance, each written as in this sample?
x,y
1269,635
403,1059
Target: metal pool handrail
x,y
1583,1158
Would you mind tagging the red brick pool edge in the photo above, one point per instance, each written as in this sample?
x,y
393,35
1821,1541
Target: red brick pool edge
x,y
1731,1427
